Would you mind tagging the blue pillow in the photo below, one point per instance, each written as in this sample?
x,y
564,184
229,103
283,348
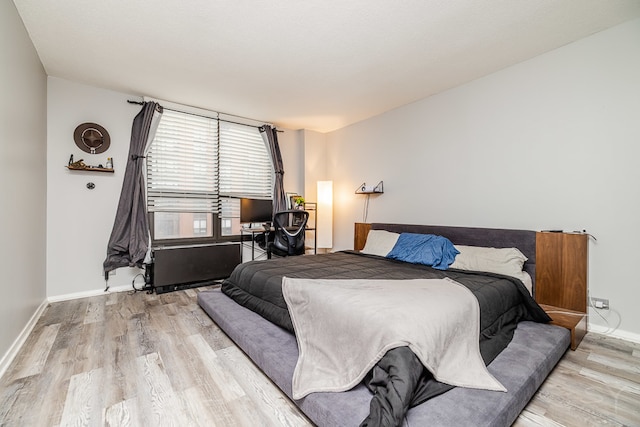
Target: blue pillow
x,y
427,249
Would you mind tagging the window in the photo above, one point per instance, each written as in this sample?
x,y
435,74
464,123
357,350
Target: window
x,y
182,225
201,224
197,169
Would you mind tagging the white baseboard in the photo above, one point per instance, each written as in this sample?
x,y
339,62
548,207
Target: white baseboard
x,y
616,333
21,339
8,357
92,293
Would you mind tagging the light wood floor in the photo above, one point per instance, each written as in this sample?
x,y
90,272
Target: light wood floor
x,y
153,360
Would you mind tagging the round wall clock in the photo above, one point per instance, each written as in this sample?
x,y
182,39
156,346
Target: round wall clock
x,y
92,138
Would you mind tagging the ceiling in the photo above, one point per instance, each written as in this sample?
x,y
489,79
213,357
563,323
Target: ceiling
x,y
313,64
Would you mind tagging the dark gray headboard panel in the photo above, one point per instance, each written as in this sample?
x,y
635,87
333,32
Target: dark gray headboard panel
x,y
524,240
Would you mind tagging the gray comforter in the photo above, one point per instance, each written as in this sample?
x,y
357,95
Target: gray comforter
x,y
399,380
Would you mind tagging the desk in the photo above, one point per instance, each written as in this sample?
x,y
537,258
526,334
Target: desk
x,y
252,231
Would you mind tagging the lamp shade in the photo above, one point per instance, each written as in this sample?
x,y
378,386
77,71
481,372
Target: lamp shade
x,y
324,227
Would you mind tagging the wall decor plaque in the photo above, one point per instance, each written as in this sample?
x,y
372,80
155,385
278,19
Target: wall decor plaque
x,y
92,138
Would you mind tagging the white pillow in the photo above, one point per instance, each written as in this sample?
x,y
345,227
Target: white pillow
x,y
526,279
380,242
507,261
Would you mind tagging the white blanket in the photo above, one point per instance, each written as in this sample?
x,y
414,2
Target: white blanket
x,y
344,327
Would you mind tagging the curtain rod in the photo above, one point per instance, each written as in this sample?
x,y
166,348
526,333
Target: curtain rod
x,y
200,115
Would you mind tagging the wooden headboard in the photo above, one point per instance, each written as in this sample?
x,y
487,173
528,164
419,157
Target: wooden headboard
x,y
360,235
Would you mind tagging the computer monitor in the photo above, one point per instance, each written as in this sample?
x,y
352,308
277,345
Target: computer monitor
x,y
255,210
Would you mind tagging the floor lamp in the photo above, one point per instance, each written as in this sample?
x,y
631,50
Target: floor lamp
x,y
324,231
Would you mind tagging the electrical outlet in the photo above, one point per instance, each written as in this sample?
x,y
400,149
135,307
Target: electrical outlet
x,y
600,303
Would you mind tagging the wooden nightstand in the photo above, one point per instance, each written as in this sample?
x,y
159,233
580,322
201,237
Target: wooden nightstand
x,y
575,321
562,270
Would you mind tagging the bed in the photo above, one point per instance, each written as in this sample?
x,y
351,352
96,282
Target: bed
x,y
530,351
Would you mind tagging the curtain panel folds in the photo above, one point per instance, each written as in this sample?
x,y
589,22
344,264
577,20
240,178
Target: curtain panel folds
x,y
129,242
270,136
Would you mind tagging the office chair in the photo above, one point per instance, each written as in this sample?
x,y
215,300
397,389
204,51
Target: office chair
x,y
288,236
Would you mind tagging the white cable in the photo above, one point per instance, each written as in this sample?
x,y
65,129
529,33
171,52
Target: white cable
x,y
365,209
597,310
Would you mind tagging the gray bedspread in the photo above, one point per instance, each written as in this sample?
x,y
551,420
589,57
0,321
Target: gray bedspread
x,y
344,327
398,381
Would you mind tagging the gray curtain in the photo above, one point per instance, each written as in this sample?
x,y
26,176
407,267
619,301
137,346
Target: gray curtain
x,y
129,241
270,137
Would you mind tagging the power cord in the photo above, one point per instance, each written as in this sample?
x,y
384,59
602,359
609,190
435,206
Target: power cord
x,y
133,282
147,287
365,209
597,311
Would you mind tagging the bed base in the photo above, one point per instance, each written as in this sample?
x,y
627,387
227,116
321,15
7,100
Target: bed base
x,y
521,368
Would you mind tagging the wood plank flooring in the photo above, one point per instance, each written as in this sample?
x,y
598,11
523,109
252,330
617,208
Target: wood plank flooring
x,y
135,359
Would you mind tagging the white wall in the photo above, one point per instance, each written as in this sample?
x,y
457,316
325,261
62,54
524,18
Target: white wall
x,y
315,162
291,145
552,142
304,155
79,220
23,148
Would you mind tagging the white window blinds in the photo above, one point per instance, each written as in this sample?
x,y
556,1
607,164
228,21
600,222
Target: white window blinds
x,y
245,165
182,164
200,164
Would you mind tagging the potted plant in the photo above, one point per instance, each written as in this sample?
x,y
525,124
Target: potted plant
x,y
298,202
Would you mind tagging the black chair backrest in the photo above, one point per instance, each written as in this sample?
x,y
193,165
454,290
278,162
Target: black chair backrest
x,y
289,231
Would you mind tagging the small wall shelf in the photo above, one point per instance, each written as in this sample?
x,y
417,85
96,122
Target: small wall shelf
x,y
91,169
364,189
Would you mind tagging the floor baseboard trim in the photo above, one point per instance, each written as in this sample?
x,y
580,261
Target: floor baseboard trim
x,y
22,338
8,357
617,333
87,294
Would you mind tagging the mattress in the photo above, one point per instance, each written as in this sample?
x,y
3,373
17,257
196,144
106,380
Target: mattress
x,y
257,285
